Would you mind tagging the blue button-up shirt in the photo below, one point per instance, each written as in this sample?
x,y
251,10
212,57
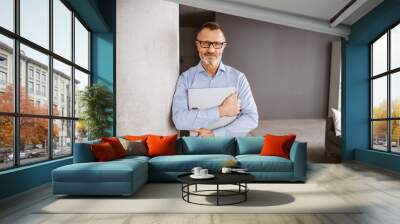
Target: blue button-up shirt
x,y
226,76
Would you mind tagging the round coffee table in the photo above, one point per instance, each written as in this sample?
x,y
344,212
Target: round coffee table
x,y
238,179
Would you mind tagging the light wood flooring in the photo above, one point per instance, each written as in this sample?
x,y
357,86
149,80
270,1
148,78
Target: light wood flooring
x,y
377,188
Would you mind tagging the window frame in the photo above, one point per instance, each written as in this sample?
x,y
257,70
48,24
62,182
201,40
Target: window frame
x,y
388,74
16,115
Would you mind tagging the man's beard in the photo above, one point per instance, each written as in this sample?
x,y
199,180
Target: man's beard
x,y
210,61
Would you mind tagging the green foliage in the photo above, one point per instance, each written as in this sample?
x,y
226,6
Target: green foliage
x,y
96,102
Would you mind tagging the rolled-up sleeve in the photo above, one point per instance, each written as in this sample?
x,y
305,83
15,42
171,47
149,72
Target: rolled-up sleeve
x,y
248,117
182,116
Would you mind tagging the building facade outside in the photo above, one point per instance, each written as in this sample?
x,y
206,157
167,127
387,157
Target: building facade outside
x,y
34,91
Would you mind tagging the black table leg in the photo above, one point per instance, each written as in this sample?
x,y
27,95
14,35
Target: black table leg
x,y
182,190
245,193
185,188
188,190
217,194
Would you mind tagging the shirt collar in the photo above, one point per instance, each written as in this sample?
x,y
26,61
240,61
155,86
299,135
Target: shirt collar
x,y
201,69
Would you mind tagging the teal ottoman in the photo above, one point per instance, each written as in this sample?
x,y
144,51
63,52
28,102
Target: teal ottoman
x,y
118,177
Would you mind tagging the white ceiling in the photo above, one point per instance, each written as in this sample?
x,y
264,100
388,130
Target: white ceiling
x,y
319,9
313,15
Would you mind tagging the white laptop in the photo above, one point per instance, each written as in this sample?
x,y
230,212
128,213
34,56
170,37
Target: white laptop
x,y
210,97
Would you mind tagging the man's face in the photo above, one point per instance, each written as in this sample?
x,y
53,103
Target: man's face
x,y
210,56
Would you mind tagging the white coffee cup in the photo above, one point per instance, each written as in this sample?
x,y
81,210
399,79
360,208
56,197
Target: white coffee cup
x,y
203,172
226,170
196,170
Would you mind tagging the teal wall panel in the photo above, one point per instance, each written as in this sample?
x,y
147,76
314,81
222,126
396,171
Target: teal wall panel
x,y
355,94
103,63
24,178
102,58
380,159
356,100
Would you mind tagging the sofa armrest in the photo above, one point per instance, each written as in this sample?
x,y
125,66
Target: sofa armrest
x,y
83,152
298,155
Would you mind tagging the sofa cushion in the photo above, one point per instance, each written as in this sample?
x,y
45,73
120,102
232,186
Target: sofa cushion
x,y
136,137
277,145
207,145
257,163
111,171
185,163
337,121
132,158
116,145
249,145
134,147
161,145
103,152
83,152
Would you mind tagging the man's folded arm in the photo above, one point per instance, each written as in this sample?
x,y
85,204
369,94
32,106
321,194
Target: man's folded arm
x,y
242,125
248,117
185,119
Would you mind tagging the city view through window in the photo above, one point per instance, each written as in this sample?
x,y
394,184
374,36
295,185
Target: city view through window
x,y
41,77
385,91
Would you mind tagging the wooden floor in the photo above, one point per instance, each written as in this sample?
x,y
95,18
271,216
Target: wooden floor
x,y
379,189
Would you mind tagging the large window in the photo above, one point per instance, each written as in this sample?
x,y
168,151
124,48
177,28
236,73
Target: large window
x,y
44,64
385,91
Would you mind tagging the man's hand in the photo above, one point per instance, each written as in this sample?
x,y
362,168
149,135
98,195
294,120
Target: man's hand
x,y
203,132
230,106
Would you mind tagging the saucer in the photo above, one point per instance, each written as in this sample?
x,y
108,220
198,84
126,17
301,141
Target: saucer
x,y
240,171
208,176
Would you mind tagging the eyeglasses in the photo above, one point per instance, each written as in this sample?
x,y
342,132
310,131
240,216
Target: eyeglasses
x,y
207,44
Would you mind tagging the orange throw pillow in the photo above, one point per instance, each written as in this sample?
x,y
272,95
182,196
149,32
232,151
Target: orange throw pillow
x,y
161,145
103,152
136,137
116,145
277,145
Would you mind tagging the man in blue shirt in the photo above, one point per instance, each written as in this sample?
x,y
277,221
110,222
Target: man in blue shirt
x,y
212,73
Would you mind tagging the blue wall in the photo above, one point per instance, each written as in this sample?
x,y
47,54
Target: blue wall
x,y
103,52
99,15
355,92
102,60
103,64
24,178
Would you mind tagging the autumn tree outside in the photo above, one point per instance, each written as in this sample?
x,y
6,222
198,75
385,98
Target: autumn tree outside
x,y
33,131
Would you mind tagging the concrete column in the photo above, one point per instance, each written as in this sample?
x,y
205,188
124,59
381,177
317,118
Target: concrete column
x,y
147,65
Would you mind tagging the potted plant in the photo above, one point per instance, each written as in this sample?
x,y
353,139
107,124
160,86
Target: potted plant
x,y
96,102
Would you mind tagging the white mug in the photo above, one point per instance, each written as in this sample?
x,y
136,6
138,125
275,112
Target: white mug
x,y
226,170
203,172
196,170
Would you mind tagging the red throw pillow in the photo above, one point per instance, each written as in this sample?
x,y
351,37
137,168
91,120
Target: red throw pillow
x,y
277,145
103,152
161,145
116,145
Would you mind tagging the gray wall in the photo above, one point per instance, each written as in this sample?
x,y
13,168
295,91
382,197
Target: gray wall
x,y
288,68
147,65
188,55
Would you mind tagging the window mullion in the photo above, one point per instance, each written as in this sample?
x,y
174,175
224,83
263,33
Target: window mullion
x,y
73,82
389,101
50,81
16,84
371,142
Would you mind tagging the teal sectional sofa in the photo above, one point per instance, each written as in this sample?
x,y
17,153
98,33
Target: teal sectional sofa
x,y
125,176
